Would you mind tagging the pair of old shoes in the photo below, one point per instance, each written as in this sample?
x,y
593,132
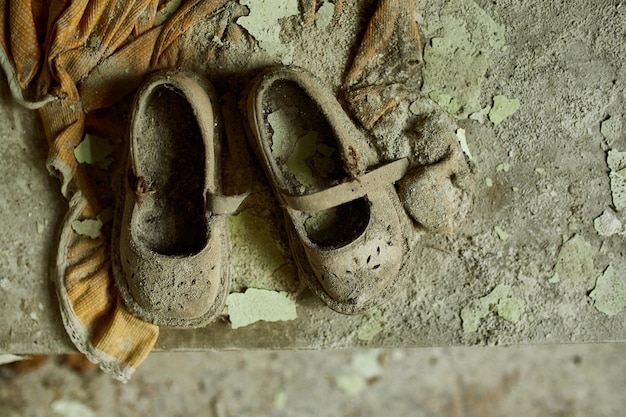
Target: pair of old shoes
x,y
171,249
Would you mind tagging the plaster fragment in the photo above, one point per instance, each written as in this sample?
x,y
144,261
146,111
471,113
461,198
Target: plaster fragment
x,y
367,364
324,15
457,60
511,309
445,101
503,107
478,116
10,358
618,190
488,182
280,400
351,384
89,227
71,408
94,150
460,136
609,294
501,233
259,305
263,24
607,224
575,262
5,284
371,325
501,300
611,129
616,160
503,167
540,171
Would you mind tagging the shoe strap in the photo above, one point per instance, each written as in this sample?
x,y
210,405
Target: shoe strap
x,y
349,191
224,204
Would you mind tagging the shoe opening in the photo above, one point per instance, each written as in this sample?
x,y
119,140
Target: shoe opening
x,y
305,150
170,151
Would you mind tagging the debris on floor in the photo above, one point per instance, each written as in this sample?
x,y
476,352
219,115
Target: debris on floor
x,y
503,107
607,224
88,227
94,150
501,300
458,57
609,294
263,23
260,305
575,262
616,161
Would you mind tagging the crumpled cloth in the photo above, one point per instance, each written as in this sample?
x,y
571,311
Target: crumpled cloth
x,y
70,59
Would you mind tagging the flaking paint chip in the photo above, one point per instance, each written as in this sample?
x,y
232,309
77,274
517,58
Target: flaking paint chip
x,y
501,300
575,262
607,224
371,325
255,305
89,227
460,136
503,107
611,129
263,24
94,150
503,167
324,15
609,294
501,233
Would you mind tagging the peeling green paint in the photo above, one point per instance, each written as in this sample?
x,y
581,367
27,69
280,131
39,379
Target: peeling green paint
x,y
611,129
351,384
259,305
501,300
371,325
575,262
609,294
458,57
503,107
324,15
503,167
94,150
607,224
501,233
460,136
263,24
89,227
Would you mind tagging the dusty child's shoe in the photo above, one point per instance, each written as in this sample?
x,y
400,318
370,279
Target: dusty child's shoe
x,y
170,246
342,211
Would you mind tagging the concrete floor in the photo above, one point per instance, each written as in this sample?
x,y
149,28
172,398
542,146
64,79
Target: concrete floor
x,y
565,62
564,381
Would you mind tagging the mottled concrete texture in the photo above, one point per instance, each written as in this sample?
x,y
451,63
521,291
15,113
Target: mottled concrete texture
x,y
541,110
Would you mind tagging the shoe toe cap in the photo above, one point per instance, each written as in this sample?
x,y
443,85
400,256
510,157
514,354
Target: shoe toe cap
x,y
356,276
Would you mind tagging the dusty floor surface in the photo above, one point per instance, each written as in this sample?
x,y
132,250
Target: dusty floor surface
x,y
565,381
